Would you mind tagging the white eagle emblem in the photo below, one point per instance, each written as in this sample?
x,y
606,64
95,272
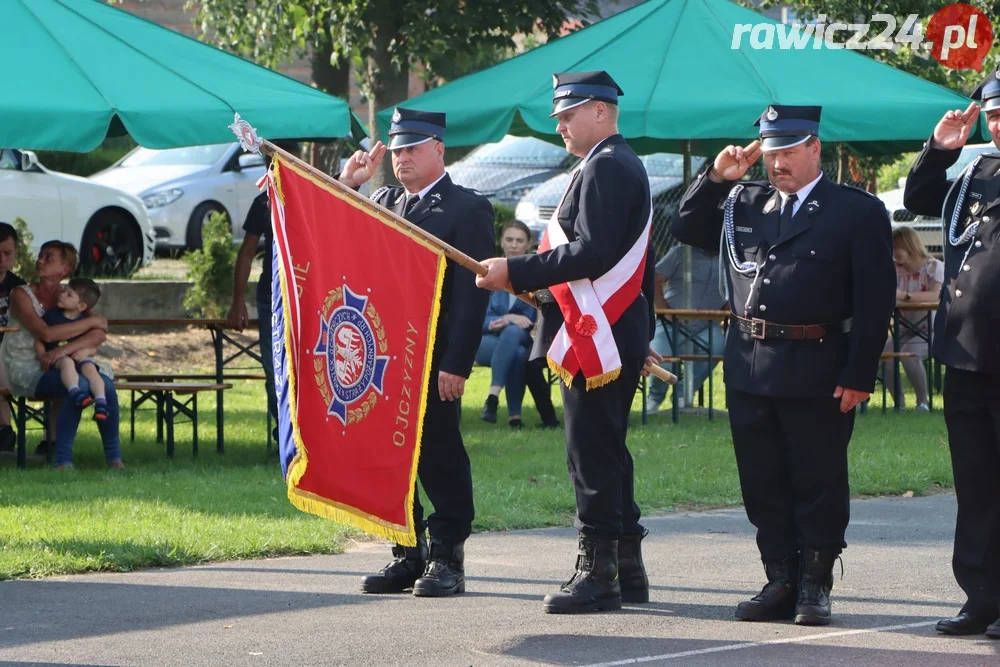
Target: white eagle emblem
x,y
349,349
772,113
396,117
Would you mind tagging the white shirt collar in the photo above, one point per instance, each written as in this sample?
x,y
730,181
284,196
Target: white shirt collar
x,y
593,148
423,193
801,194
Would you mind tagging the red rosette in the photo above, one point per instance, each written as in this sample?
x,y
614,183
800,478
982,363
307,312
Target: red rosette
x,y
586,326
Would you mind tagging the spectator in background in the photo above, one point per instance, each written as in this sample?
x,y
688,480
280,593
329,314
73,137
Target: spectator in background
x,y
507,341
670,293
8,281
257,227
918,280
29,375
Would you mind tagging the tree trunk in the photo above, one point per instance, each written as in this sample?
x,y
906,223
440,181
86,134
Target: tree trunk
x,y
389,83
335,81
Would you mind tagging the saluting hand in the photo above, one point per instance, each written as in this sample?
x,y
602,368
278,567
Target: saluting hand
x,y
734,161
361,166
953,130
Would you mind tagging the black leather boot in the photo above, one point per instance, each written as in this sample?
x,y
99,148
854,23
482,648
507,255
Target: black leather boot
x,y
815,584
777,599
445,571
490,409
400,574
631,572
594,586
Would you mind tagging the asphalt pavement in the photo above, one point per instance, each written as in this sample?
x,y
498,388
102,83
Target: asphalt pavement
x,y
896,584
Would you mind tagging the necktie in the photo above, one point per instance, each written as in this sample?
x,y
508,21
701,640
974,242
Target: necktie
x,y
785,224
411,201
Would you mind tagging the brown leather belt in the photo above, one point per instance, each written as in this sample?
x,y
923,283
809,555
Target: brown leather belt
x,y
761,329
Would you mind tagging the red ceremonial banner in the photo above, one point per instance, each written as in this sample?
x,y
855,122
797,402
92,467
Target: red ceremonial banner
x,y
357,308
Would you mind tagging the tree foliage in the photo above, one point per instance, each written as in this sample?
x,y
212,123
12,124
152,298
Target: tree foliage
x,y
24,259
382,39
212,269
916,62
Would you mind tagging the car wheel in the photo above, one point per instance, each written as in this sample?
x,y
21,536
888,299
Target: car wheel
x,y
111,245
202,213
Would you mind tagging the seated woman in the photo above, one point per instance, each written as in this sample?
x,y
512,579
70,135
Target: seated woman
x,y
31,375
918,280
507,341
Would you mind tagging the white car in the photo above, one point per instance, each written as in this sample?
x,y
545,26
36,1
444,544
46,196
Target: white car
x,y
183,187
109,227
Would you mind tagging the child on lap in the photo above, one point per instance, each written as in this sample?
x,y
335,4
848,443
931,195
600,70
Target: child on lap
x,y
75,301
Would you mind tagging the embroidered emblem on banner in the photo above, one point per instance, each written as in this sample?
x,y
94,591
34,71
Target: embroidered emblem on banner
x,y
352,342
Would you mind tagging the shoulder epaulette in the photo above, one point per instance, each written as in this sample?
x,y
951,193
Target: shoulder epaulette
x,y
857,189
381,191
469,190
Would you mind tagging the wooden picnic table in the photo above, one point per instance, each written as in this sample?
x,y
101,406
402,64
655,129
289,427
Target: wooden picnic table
x,y
218,330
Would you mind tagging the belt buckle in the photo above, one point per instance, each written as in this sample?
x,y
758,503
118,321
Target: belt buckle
x,y
757,328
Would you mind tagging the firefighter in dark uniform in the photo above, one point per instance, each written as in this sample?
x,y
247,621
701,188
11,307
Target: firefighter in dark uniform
x,y
462,218
811,280
600,229
965,341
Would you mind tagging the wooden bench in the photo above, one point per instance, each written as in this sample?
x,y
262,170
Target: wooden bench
x,y
890,356
169,406
172,377
21,412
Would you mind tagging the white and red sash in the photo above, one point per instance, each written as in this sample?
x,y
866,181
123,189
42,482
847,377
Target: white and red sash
x,y
589,308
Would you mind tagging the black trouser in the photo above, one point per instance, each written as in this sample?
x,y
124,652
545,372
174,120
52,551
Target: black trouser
x,y
600,465
540,389
444,471
792,458
972,414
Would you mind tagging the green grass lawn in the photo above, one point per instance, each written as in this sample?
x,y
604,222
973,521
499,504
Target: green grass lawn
x,y
217,507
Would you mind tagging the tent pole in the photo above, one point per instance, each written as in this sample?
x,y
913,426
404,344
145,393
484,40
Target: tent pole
x,y
688,345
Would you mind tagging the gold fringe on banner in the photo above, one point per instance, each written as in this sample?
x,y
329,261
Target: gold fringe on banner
x,y
324,507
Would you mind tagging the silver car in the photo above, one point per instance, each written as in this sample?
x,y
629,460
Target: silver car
x,y
506,170
666,185
183,187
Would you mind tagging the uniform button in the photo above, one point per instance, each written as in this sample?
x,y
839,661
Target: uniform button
x,y
772,257
958,292
966,268
767,281
812,252
763,307
986,218
979,244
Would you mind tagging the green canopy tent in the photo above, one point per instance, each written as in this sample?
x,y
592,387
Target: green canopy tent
x,y
684,81
78,71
